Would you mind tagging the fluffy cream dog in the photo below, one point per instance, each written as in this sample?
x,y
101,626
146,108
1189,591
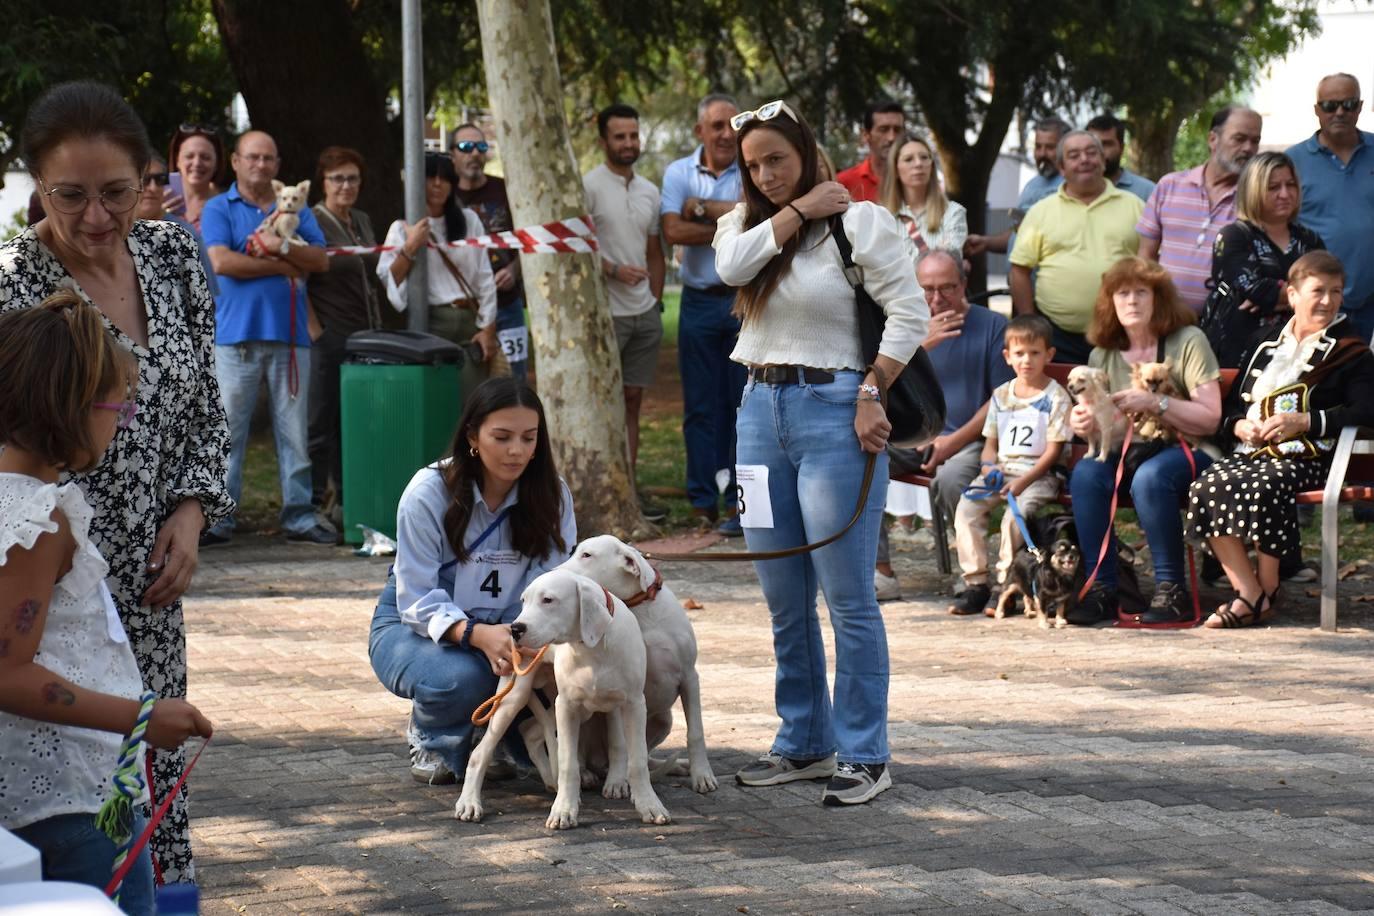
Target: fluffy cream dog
x,y
1089,388
599,664
1154,378
669,641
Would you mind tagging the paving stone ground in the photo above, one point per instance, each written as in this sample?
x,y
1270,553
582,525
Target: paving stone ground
x,y
1081,771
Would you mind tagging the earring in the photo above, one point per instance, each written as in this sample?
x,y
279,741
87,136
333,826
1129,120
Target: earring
x,y
472,450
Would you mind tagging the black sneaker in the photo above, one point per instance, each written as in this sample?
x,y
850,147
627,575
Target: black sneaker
x,y
774,769
1171,604
973,600
856,783
652,512
317,534
210,539
1098,604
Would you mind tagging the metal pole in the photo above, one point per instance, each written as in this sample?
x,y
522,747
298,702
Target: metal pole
x,y
413,114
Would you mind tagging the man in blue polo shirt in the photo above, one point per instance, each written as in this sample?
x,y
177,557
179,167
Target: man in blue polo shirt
x,y
261,332
698,190
1336,170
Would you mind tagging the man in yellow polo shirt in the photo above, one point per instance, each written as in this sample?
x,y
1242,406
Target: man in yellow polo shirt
x,y
1070,239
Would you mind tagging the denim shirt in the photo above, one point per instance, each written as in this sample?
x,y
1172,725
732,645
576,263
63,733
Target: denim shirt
x,y
433,590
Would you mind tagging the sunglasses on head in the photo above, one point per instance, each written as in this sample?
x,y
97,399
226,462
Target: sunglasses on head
x,y
467,146
190,130
765,112
1330,105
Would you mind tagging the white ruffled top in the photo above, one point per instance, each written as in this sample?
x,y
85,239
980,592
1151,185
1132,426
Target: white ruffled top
x,y
47,770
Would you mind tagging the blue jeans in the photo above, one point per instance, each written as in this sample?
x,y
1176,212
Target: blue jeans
x,y
804,434
444,683
711,386
1159,491
513,316
75,849
240,369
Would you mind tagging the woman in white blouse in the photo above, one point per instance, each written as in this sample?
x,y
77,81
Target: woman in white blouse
x,y
809,413
911,191
462,290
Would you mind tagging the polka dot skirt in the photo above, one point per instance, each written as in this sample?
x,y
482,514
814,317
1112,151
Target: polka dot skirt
x,y
1252,500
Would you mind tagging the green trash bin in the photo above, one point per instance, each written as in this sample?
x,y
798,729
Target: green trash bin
x,y
400,398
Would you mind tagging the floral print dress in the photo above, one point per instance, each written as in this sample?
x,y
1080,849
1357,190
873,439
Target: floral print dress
x,y
176,449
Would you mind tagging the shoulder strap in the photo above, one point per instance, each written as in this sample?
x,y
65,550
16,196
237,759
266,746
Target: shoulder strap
x,y
1159,351
452,268
851,273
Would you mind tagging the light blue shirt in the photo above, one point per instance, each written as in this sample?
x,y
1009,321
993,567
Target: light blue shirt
x,y
1338,205
685,178
433,591
1036,190
1138,185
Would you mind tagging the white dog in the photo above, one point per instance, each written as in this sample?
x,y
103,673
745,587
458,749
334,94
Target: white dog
x,y
669,641
599,663
1089,388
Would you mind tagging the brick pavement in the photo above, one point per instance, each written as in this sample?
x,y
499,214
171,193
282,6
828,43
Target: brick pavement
x,y
1093,771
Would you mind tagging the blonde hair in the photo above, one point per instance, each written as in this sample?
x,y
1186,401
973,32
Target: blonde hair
x,y
890,192
1254,182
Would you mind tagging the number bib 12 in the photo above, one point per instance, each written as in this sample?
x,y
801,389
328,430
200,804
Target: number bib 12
x,y
1021,432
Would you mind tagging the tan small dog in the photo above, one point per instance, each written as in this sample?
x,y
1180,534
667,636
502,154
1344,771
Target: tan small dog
x,y
1089,388
1154,378
278,232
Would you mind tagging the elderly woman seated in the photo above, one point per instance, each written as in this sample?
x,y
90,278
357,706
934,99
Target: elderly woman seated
x,y
1299,385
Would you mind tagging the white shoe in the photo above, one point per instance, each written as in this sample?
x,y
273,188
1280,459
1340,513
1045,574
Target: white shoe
x,y
886,587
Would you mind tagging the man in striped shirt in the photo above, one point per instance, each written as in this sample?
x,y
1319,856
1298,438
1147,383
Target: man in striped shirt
x,y
1187,209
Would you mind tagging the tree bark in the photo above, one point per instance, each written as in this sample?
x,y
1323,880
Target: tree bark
x,y
570,316
306,80
1152,144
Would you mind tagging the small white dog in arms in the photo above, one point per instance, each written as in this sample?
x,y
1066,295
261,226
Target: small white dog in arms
x,y
669,641
1089,388
599,664
539,733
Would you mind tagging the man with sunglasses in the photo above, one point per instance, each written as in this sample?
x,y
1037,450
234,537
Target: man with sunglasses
x,y
485,195
1336,168
697,190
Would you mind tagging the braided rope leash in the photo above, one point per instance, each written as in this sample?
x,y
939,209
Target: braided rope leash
x,y
116,817
482,714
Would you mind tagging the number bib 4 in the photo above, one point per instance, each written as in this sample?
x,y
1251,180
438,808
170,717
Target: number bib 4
x,y
489,579
1021,432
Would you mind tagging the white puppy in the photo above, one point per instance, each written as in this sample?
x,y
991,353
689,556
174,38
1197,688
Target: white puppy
x,y
668,639
1089,388
599,663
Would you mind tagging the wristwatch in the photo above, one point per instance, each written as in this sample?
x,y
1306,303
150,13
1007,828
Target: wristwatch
x,y
465,641
699,212
1163,404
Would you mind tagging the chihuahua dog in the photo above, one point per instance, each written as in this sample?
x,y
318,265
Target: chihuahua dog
x,y
278,232
1154,378
1047,585
1089,388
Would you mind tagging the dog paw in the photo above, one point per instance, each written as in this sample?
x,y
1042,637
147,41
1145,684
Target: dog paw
x,y
562,818
589,779
654,813
1060,623
468,809
1044,623
616,788
703,783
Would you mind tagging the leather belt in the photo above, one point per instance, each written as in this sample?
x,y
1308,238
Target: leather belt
x,y
467,304
791,375
720,289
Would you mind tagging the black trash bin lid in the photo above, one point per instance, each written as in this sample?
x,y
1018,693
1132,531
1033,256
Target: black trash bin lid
x,y
404,348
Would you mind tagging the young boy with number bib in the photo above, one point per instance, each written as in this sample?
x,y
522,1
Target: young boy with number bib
x,y
1025,432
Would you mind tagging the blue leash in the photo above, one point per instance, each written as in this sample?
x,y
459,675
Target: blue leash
x,y
993,481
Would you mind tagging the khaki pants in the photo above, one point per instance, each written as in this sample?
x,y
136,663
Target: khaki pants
x,y
459,326
971,528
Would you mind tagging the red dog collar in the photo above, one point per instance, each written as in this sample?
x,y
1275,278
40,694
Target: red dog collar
x,y
649,594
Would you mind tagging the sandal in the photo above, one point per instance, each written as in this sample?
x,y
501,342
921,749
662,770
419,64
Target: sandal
x,y
1223,618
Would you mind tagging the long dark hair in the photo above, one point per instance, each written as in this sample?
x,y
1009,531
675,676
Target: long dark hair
x,y
455,223
753,296
534,521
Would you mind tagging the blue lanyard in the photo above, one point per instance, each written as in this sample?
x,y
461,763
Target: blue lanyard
x,y
496,523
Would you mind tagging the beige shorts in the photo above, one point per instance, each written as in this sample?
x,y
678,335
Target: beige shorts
x,y
638,337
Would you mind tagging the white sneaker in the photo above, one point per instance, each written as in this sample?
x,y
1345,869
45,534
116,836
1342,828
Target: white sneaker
x,y
429,768
886,587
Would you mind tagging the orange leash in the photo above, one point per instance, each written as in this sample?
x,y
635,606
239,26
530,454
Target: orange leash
x,y
482,714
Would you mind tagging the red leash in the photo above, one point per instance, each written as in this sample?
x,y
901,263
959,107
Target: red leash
x,y
293,372
156,819
1111,514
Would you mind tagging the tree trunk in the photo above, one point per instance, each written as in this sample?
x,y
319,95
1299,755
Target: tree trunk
x,y
302,71
1152,144
570,316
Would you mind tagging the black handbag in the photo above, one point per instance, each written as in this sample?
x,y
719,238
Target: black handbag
x,y
915,403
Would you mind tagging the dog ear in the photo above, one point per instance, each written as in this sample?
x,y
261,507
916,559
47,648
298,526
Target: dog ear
x,y
304,188
593,617
277,186
637,566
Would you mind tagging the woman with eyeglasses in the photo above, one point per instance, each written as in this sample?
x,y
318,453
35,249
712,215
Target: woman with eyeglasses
x,y
197,153
461,291
152,204
809,418
163,477
911,191
344,301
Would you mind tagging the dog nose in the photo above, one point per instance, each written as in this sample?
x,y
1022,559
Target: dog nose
x,y
516,631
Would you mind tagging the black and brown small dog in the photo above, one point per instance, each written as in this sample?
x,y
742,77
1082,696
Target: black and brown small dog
x,y
1047,586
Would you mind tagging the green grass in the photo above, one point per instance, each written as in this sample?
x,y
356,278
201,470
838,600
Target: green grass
x,y
672,300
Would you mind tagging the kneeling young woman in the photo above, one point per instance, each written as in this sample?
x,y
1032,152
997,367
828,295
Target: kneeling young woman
x,y
472,531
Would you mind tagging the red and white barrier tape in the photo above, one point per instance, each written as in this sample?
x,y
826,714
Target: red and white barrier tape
x,y
568,236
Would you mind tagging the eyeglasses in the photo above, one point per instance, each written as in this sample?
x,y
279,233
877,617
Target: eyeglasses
x,y
344,180
765,112
946,290
467,146
67,199
1330,105
257,157
126,411
160,178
